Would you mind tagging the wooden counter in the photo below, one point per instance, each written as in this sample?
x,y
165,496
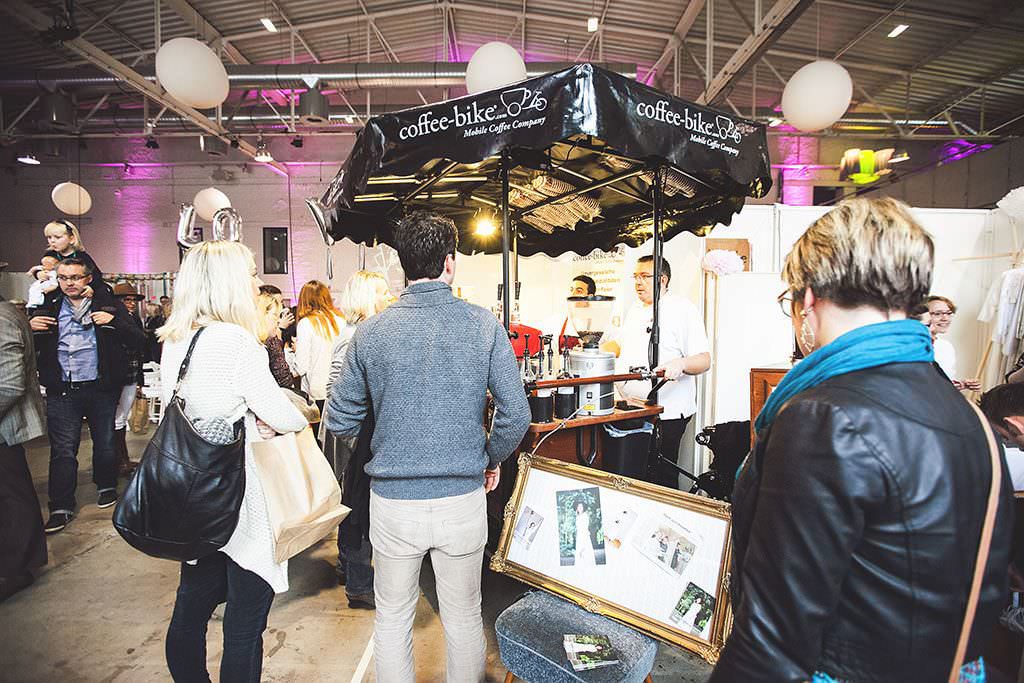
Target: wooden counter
x,y
619,414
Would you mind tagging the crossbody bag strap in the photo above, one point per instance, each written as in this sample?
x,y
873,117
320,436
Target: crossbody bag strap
x,y
987,529
188,358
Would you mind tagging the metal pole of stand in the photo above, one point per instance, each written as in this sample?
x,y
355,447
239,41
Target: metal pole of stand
x,y
506,241
659,202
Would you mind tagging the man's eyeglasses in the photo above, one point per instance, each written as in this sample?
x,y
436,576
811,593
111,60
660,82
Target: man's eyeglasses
x,y
72,278
786,304
642,277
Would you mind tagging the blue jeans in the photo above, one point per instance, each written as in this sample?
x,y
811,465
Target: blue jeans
x,y
357,566
212,580
64,412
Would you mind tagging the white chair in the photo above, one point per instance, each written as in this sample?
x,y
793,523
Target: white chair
x,y
151,390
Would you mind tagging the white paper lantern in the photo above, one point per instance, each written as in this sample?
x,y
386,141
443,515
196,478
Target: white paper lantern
x,y
71,198
210,201
817,96
492,66
192,73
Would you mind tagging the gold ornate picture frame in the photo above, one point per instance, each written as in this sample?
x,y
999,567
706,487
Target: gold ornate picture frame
x,y
653,558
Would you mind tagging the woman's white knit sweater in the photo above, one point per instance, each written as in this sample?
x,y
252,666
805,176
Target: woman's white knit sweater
x,y
229,377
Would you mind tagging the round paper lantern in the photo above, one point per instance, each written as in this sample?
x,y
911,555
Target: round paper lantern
x,y
210,201
817,96
492,66
192,73
71,198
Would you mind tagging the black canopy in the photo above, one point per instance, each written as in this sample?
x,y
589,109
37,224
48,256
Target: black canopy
x,y
583,149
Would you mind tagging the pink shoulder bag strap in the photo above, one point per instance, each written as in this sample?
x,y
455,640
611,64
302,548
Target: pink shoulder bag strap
x,y
987,528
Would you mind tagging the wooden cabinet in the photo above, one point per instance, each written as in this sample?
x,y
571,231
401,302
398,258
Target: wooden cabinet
x,y
762,382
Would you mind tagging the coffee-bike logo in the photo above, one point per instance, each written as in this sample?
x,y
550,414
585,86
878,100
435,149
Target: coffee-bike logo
x,y
721,127
479,117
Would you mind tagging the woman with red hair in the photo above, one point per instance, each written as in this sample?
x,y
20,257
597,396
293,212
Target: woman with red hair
x,y
319,326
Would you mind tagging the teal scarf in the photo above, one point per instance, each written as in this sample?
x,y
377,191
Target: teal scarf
x,y
895,341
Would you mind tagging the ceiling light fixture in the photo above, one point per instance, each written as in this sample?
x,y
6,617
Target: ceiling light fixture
x,y
213,145
774,122
485,225
268,24
593,23
29,159
900,28
262,153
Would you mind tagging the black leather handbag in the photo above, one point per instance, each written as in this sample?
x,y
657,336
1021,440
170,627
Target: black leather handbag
x,y
182,503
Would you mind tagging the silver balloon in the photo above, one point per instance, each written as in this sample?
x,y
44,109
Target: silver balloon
x,y
227,225
320,218
321,207
186,226
329,199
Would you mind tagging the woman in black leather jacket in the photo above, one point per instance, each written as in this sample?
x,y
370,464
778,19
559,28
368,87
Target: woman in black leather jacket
x,y
857,516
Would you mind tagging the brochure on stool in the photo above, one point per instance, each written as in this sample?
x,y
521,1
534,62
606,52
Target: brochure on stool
x,y
658,556
589,652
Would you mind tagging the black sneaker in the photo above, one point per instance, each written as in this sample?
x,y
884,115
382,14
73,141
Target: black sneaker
x,y
57,521
106,499
362,602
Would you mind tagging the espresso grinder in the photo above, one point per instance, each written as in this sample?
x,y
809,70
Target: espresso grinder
x,y
591,316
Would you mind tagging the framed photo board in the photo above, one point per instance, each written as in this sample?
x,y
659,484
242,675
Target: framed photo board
x,y
652,558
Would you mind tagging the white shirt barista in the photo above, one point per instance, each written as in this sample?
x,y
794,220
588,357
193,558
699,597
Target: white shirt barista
x,y
683,351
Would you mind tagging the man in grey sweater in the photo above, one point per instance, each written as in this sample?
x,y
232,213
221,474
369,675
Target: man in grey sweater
x,y
425,365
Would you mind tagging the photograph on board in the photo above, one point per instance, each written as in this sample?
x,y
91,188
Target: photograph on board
x,y
580,532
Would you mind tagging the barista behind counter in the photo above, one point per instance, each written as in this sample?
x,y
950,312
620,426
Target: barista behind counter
x,y
683,353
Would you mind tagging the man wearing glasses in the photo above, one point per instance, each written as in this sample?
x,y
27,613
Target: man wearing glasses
x,y
683,353
80,347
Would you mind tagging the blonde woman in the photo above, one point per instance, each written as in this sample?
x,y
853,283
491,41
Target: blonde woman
x,y
269,308
365,295
318,328
857,516
229,378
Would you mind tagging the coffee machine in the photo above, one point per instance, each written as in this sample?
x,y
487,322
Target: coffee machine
x,y
592,316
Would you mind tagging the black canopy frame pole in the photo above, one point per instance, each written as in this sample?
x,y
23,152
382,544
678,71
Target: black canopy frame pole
x,y
506,239
659,210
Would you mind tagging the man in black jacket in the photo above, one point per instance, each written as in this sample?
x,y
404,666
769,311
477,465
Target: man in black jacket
x,y
80,344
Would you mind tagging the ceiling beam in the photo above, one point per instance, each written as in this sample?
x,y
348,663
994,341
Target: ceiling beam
x,y
683,26
778,19
29,16
941,107
340,21
927,16
207,33
635,32
993,17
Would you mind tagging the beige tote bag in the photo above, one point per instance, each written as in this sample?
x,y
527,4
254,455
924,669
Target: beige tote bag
x,y
303,497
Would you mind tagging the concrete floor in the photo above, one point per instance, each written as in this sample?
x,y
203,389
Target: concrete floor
x,y
99,611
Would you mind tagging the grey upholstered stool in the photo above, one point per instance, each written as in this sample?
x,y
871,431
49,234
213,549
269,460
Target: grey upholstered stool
x,y
530,642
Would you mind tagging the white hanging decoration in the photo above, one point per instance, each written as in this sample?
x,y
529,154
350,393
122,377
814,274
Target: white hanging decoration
x,y
209,201
494,65
817,95
722,262
71,198
1013,204
192,73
